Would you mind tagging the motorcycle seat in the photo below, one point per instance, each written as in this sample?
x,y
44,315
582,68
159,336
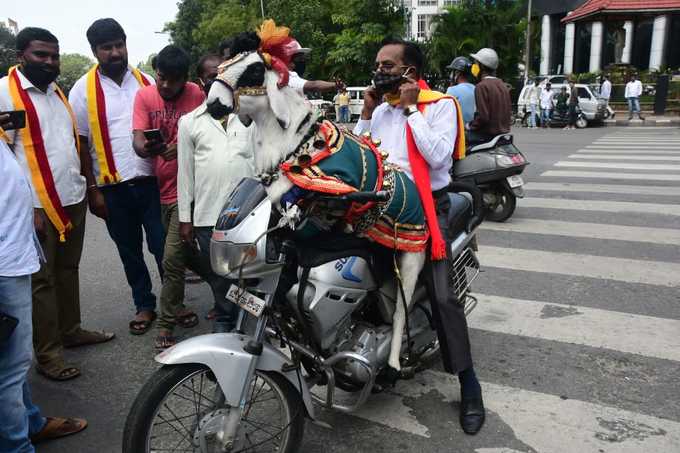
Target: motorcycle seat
x,y
459,214
329,247
503,139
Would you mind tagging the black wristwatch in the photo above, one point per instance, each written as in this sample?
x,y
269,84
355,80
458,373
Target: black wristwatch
x,y
410,109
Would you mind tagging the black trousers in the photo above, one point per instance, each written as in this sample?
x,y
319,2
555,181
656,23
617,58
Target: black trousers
x,y
447,312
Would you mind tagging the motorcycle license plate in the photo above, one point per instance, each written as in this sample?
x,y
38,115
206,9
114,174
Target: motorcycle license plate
x,y
249,302
515,181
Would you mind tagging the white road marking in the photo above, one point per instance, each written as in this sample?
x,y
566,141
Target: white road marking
x,y
623,332
634,166
621,150
669,236
604,206
660,273
604,188
624,157
610,175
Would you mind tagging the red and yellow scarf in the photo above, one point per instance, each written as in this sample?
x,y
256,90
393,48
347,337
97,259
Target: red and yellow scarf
x,y
96,112
36,154
420,168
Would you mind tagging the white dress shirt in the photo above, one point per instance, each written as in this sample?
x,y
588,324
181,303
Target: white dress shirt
x,y
296,82
57,133
633,89
547,99
211,161
606,89
119,105
434,132
18,252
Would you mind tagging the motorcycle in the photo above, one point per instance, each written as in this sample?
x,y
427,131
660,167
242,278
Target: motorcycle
x,y
495,167
560,118
322,311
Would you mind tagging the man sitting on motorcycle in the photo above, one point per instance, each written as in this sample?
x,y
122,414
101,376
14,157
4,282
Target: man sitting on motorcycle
x,y
492,98
415,119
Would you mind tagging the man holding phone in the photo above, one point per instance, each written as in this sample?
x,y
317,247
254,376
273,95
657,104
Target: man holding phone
x,y
121,186
19,258
47,151
157,110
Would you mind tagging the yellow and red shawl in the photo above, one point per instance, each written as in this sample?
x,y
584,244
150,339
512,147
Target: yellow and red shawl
x,y
96,111
36,155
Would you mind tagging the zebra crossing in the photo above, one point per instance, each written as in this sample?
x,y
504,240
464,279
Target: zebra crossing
x,y
600,333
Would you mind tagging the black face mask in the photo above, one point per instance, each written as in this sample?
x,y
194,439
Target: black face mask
x,y
39,74
386,82
299,67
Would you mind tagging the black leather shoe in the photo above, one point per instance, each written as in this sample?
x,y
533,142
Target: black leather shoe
x,y
472,415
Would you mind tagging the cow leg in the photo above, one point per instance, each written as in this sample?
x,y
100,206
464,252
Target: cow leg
x,y
410,265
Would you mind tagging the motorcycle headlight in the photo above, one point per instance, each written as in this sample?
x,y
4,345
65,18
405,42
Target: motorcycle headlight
x,y
237,255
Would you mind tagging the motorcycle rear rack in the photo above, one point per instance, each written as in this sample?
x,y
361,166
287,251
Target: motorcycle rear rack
x,y
463,272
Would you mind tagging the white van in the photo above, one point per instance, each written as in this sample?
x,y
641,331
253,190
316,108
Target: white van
x,y
356,101
593,108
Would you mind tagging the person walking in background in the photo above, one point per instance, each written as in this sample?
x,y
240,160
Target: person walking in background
x,y
572,105
213,156
343,104
158,108
546,104
632,95
121,186
606,90
534,99
48,152
21,422
561,104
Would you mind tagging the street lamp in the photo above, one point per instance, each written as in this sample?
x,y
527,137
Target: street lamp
x,y
527,49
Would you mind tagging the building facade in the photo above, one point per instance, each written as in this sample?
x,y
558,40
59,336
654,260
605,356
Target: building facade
x,y
587,36
419,16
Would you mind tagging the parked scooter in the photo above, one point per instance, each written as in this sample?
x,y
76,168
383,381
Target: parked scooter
x,y
560,118
495,167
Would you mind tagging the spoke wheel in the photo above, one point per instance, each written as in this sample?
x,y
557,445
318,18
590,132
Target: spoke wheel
x,y
182,409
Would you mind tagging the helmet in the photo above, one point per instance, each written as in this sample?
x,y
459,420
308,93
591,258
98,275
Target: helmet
x,y
486,57
461,64
293,47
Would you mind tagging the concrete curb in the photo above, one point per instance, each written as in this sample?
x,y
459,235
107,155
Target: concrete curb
x,y
648,122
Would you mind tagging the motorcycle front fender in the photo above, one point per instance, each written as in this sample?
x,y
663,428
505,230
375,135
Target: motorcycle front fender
x,y
224,354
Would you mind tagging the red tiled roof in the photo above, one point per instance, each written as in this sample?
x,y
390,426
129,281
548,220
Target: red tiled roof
x,y
592,7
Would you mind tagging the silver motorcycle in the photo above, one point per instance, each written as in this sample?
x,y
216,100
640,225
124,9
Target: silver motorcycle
x,y
318,314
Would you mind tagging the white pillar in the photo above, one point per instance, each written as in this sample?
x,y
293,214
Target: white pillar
x,y
569,32
628,46
595,46
656,54
546,44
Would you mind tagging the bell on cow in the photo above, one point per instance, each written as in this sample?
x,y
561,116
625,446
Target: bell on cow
x,y
366,135
384,154
377,142
304,160
387,185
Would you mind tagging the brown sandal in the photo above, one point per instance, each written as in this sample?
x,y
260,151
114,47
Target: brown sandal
x,y
142,327
62,373
187,320
84,337
56,427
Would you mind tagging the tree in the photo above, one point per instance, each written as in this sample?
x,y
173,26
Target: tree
x,y
7,49
73,67
147,66
344,34
474,24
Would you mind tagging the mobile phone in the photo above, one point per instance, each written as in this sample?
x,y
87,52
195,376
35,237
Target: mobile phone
x,y
153,135
7,325
17,118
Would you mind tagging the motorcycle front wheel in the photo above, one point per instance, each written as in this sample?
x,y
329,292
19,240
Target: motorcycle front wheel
x,y
181,408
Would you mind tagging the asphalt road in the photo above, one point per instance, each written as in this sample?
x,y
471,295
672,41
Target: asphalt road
x,y
576,337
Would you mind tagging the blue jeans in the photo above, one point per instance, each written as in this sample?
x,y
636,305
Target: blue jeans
x,y
133,205
532,118
19,417
633,106
545,117
344,114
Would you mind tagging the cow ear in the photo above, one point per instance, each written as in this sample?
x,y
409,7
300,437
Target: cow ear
x,y
277,100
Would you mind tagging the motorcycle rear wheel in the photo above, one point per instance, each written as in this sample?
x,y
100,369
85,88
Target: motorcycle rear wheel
x,y
197,407
503,209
